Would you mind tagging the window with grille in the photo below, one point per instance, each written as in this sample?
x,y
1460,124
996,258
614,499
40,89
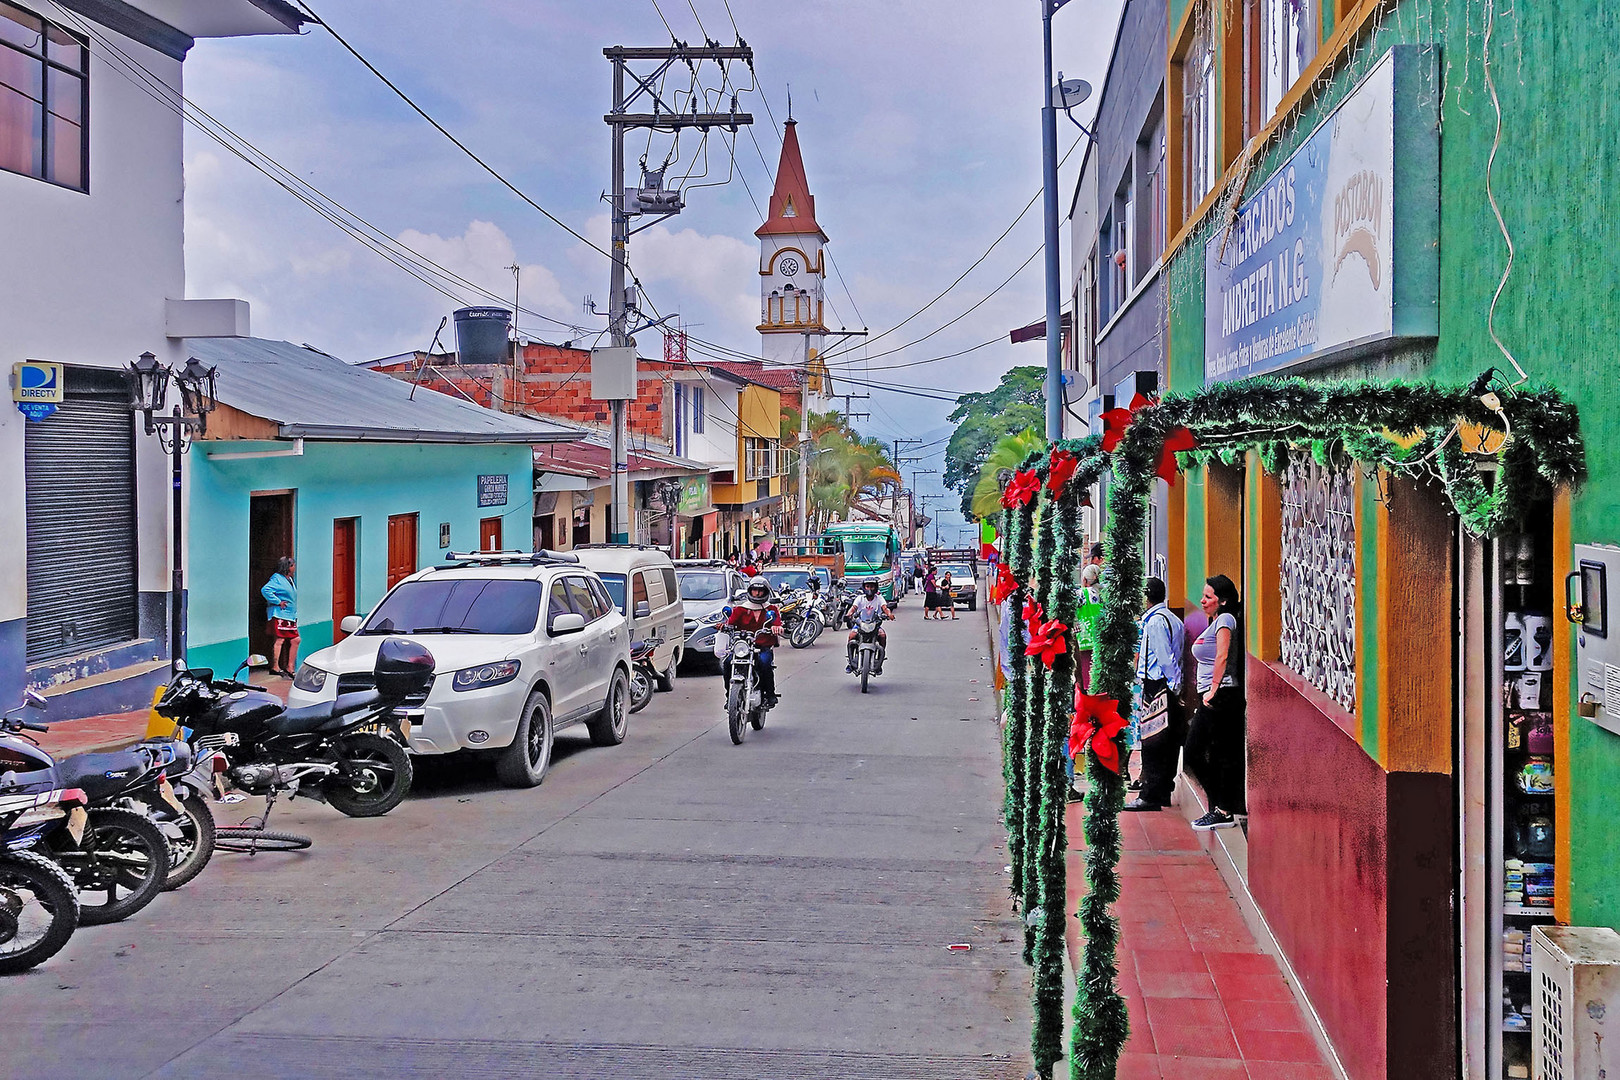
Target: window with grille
x,y
44,99
1318,576
1200,158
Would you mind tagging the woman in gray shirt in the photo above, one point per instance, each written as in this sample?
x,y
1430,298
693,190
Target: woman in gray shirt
x,y
1215,737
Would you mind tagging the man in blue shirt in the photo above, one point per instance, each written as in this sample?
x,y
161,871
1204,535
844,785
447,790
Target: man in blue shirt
x,y
1158,667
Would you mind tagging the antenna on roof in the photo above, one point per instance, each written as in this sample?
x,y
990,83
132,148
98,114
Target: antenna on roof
x,y
790,103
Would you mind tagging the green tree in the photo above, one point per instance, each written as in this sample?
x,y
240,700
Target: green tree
x,y
847,466
1008,453
982,420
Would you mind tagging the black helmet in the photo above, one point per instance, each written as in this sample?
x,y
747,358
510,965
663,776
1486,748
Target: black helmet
x,y
870,585
759,589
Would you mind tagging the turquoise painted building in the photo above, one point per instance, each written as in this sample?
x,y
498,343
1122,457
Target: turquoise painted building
x,y
358,479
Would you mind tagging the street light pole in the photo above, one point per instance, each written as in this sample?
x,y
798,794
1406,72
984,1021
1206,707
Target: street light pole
x,y
149,381
1049,198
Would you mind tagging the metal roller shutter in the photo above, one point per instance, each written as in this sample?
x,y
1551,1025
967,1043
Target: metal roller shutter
x,y
80,481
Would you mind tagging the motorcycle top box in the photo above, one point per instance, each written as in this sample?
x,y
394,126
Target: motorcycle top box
x,y
403,668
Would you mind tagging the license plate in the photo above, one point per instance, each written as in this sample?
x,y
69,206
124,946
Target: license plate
x,y
78,821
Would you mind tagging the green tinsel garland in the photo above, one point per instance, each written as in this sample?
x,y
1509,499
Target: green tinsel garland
x,y
1267,415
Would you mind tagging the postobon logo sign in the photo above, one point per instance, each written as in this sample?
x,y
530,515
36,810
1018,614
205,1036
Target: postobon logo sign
x,y
36,387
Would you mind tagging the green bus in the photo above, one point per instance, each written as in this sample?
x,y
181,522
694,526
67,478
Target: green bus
x,y
871,549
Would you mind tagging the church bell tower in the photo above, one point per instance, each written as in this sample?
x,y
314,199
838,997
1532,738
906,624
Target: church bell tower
x,y
792,272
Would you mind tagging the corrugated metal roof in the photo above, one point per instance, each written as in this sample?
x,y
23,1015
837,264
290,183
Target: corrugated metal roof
x,y
316,396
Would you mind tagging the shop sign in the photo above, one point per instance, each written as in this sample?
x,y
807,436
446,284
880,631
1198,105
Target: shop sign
x,y
491,489
1305,268
36,387
694,495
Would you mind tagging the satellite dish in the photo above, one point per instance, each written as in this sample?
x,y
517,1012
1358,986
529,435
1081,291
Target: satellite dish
x,y
1069,93
1075,388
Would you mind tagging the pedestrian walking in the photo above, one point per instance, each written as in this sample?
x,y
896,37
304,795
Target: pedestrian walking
x,y
1215,737
1089,610
1158,668
281,597
946,600
930,594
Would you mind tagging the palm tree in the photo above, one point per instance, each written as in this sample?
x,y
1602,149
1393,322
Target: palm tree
x,y
1009,452
846,467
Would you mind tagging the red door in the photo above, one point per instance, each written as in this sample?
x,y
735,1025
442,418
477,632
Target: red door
x,y
401,548
343,574
489,534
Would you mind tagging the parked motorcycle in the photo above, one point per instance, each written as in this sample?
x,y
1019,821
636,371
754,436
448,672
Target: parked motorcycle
x,y
119,861
801,618
349,752
745,702
868,649
39,904
644,678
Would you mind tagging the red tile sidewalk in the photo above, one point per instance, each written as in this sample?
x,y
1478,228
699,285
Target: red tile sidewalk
x,y
94,734
1205,1002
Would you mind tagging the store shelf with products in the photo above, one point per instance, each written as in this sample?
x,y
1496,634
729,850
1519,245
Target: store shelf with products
x,y
1523,778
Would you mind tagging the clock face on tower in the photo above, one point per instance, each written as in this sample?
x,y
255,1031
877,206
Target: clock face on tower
x,y
788,266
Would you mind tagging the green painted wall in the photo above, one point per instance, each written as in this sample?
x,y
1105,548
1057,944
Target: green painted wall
x,y
1555,179
369,481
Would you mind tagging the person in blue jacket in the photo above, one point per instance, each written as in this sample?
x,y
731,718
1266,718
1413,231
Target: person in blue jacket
x,y
281,595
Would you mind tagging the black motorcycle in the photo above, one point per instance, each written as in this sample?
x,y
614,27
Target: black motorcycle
x,y
39,904
745,702
643,676
349,752
119,861
868,648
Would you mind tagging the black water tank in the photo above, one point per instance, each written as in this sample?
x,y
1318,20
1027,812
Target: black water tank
x,y
481,335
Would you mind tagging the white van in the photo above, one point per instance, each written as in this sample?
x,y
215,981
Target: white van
x,y
641,581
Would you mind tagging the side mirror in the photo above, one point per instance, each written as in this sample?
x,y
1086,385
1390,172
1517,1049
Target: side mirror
x,y
569,622
34,699
350,624
643,609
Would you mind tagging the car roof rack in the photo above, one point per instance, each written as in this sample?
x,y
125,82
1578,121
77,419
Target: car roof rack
x,y
456,559
624,547
700,562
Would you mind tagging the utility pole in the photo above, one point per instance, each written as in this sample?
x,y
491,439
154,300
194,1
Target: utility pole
x,y
901,459
655,62
1049,192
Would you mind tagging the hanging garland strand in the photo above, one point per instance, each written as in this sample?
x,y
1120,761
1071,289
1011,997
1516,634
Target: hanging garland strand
x,y
1529,436
1016,553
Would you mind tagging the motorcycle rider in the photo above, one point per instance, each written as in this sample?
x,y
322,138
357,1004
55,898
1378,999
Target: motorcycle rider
x,y
867,604
753,613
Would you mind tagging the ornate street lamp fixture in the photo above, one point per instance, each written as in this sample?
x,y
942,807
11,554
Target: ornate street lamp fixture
x,y
148,395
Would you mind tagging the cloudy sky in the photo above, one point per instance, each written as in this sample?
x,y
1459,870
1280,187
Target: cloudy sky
x,y
918,121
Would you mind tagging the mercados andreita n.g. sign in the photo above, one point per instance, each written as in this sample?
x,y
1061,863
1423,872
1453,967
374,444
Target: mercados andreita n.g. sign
x,y
1306,268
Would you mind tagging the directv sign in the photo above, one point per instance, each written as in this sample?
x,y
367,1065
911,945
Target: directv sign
x,y
36,387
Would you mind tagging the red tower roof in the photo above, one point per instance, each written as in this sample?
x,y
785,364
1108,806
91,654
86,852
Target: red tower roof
x,y
793,208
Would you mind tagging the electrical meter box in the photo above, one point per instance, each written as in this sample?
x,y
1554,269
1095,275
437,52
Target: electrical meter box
x,y
1597,638
613,373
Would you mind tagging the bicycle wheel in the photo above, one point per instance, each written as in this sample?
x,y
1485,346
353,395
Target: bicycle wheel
x,y
251,841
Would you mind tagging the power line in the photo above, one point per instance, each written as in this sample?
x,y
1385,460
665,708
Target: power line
x,y
440,128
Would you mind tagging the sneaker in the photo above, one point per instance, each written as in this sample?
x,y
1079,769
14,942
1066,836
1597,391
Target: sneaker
x,y
849,669
1075,794
1142,804
1215,819
1134,785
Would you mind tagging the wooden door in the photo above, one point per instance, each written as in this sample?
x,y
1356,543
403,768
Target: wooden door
x,y
401,547
489,534
270,536
344,535
545,533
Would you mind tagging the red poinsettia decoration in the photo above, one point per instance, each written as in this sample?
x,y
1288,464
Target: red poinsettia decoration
x,y
1005,585
1047,640
1178,441
1115,421
1032,612
1097,724
1061,471
1021,488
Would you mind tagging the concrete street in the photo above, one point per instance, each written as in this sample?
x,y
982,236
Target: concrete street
x,y
676,906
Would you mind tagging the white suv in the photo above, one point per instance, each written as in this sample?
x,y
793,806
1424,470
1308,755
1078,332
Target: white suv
x,y
524,645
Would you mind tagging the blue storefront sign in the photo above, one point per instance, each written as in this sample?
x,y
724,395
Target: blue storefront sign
x,y
36,387
1305,269
491,489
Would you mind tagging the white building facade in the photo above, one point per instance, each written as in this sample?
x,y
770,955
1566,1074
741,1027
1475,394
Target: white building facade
x,y
93,275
